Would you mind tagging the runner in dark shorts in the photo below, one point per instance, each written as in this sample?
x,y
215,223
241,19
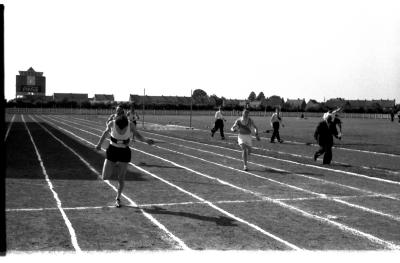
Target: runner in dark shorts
x,y
118,153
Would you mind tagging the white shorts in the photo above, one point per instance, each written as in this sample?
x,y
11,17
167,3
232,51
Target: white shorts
x,y
245,139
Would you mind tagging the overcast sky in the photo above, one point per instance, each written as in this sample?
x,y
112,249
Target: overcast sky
x,y
295,49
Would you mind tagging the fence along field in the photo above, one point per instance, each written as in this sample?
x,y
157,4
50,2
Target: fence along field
x,y
191,185
76,111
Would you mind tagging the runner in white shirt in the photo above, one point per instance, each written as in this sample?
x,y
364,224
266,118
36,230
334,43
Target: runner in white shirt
x,y
243,125
219,124
118,153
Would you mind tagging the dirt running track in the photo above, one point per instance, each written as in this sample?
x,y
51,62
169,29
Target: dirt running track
x,y
188,192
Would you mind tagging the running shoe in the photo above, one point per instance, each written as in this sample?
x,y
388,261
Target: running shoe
x,y
117,203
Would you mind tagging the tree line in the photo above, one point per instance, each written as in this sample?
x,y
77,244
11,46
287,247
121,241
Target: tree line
x,y
199,100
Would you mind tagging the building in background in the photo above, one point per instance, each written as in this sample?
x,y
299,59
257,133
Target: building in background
x,y
70,97
103,98
30,83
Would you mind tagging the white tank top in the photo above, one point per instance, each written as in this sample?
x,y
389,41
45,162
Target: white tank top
x,y
119,136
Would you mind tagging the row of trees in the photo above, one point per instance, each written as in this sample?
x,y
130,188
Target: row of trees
x,y
199,101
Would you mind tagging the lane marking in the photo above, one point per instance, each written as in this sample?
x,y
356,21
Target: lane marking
x,y
178,204
219,209
287,171
388,171
9,127
71,230
132,203
366,209
288,161
263,156
396,218
342,227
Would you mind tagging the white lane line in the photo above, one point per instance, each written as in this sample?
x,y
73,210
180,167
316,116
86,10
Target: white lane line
x,y
287,161
388,171
263,156
366,209
219,209
205,201
294,142
71,230
132,203
55,208
9,127
396,218
336,147
342,227
287,171
270,167
178,204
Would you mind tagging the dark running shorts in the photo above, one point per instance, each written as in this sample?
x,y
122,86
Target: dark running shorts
x,y
115,154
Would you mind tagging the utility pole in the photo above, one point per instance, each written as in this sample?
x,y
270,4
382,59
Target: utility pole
x,y
191,103
144,94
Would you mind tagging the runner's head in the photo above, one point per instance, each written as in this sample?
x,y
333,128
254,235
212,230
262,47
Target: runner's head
x,y
121,121
327,117
119,110
245,113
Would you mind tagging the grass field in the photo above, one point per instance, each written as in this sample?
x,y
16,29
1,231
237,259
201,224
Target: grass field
x,y
188,191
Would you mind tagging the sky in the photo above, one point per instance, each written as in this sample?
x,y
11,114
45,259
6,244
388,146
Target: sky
x,y
311,49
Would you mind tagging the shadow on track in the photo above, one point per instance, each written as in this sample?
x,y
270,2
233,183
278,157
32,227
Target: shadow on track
x,y
220,220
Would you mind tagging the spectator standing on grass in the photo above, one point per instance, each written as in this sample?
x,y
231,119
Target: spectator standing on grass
x,y
118,153
244,126
218,124
276,122
324,135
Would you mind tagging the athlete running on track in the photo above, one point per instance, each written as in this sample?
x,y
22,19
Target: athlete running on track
x,y
118,153
244,126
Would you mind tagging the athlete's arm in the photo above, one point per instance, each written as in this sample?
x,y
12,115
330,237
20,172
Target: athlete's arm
x,y
255,130
235,126
103,136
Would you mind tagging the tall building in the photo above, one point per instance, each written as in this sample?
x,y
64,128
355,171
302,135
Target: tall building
x,y
30,82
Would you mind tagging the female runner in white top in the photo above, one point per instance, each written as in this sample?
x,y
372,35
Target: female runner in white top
x,y
118,153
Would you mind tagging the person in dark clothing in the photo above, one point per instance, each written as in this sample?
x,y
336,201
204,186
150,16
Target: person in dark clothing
x,y
218,124
324,135
337,122
276,122
392,115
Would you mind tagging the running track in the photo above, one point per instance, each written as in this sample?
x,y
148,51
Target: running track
x,y
194,195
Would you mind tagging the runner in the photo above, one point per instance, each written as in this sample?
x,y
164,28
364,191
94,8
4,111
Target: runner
x,y
276,122
118,153
244,125
132,115
219,124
